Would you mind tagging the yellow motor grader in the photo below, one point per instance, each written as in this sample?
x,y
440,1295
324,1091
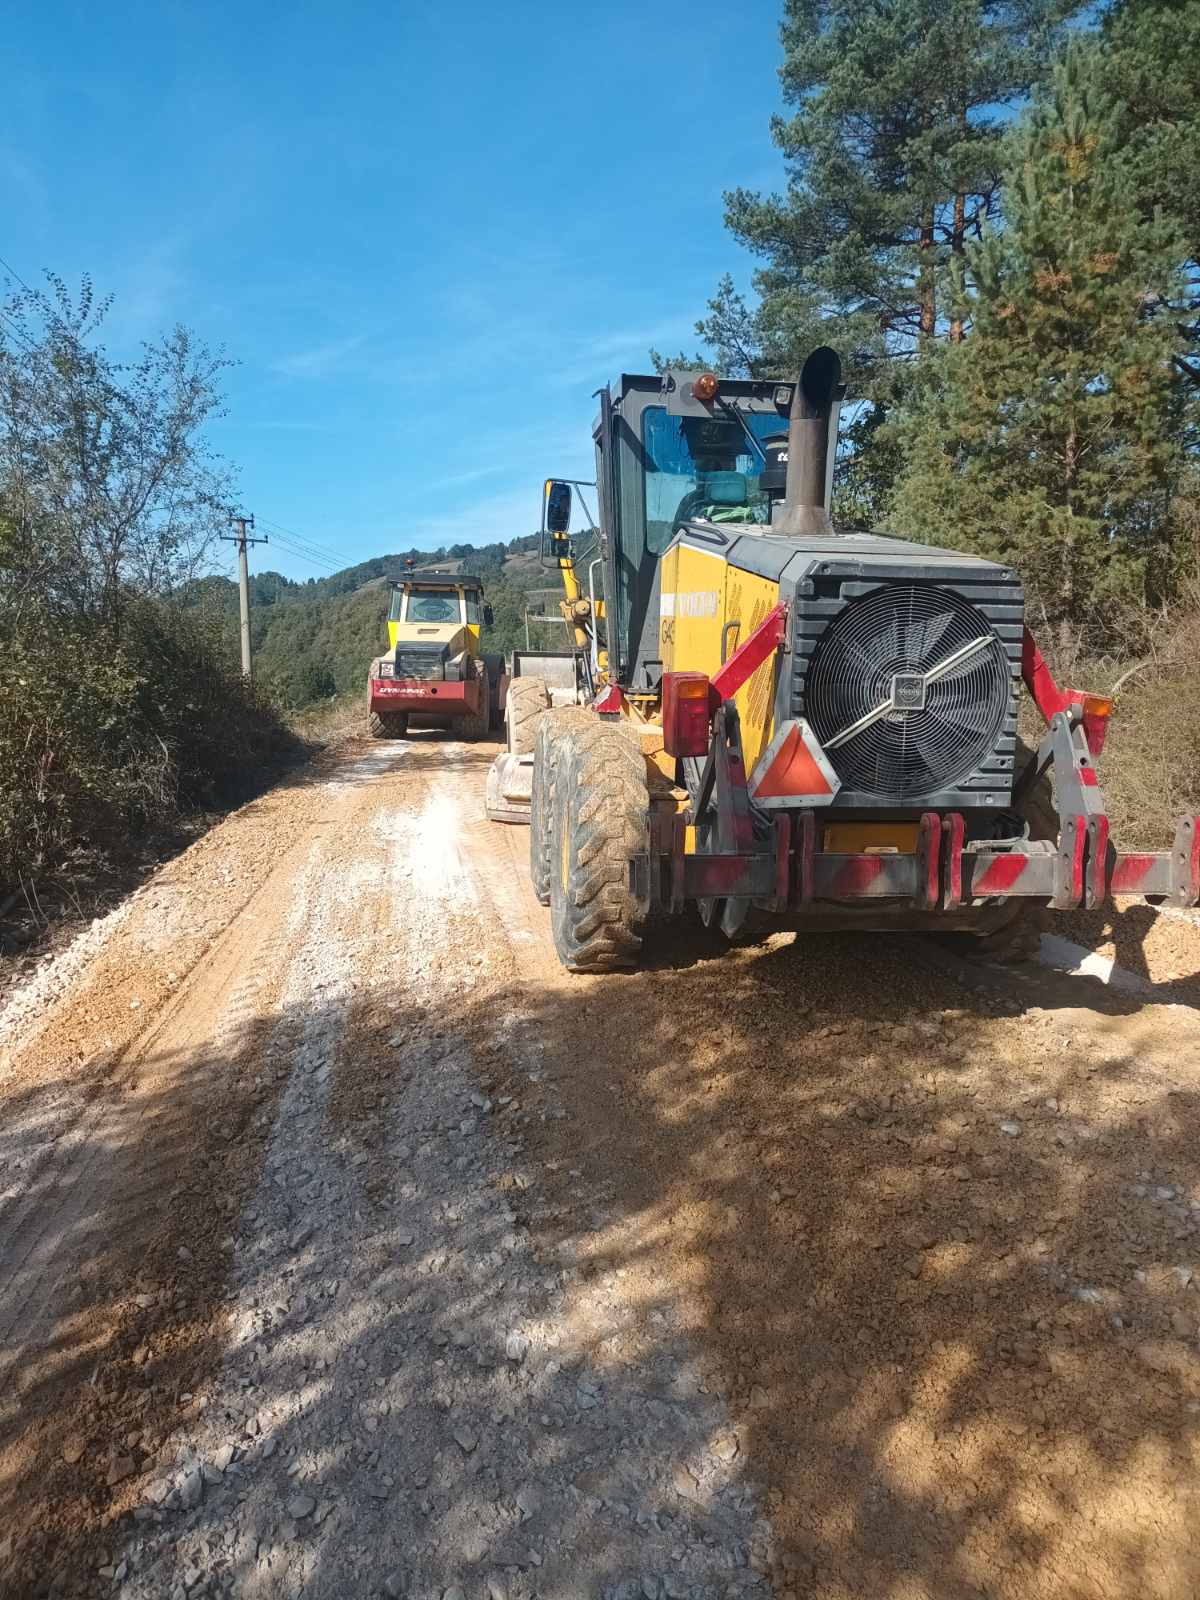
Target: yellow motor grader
x,y
434,672
791,724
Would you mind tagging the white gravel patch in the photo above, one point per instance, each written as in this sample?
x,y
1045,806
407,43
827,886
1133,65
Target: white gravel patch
x,y
413,1403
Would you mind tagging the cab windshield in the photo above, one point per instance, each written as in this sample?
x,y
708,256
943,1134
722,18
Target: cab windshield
x,y
702,467
432,605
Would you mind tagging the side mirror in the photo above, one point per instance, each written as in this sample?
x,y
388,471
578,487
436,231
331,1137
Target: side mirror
x,y
489,616
556,507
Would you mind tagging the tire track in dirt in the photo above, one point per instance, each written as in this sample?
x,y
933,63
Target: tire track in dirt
x,y
921,1237
113,1268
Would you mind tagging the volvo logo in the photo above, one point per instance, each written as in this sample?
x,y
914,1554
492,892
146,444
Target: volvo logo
x,y
908,691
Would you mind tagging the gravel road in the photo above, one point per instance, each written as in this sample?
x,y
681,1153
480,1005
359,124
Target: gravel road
x,y
347,1247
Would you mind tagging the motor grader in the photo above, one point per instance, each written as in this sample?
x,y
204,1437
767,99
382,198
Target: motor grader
x,y
434,672
797,726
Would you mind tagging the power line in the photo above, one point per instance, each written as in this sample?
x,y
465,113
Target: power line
x,y
317,555
303,555
322,556
19,331
303,539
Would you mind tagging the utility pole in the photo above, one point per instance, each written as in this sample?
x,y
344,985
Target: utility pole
x,y
240,539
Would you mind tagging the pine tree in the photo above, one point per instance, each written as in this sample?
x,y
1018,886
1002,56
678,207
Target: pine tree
x,y
893,155
1051,438
1153,54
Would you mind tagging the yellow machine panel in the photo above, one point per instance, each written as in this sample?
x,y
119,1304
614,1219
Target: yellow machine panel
x,y
692,602
701,596
872,838
748,600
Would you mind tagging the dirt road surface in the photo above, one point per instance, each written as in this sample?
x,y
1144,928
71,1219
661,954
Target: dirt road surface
x,y
348,1247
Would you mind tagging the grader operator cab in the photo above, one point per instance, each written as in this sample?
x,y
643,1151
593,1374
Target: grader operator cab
x,y
793,724
434,673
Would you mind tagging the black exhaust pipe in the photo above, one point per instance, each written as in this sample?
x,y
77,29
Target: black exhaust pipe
x,y
803,509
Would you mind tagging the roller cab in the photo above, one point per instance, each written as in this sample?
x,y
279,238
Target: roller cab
x,y
433,669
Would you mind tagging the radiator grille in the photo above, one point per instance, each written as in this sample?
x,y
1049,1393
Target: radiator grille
x,y
861,643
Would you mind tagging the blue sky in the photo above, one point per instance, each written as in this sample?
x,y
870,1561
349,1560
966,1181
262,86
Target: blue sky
x,y
426,232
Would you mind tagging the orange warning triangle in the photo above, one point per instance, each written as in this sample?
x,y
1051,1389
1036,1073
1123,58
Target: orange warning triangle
x,y
793,771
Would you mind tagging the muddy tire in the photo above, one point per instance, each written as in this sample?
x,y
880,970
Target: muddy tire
x,y
390,725
548,743
600,824
541,804
527,699
1013,933
495,672
476,725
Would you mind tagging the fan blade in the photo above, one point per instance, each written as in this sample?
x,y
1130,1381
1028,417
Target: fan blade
x,y
924,638
964,668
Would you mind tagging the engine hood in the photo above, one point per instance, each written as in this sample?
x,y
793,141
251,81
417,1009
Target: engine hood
x,y
774,555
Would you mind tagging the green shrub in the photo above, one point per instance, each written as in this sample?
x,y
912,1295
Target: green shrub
x,y
106,733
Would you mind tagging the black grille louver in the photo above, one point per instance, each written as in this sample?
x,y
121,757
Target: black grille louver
x,y
421,661
906,629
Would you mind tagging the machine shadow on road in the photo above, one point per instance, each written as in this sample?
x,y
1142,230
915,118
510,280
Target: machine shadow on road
x,y
1142,941
926,1259
932,1251
111,1342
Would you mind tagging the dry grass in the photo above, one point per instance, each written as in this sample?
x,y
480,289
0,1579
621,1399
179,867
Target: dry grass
x,y
1150,768
1151,765
330,721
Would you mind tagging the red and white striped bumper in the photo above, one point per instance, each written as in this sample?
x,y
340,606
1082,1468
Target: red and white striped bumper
x,y
943,875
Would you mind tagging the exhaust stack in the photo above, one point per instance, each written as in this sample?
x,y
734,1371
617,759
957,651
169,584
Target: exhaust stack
x,y
804,508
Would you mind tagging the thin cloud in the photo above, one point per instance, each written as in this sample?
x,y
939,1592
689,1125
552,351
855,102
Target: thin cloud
x,y
320,359
283,425
458,480
493,520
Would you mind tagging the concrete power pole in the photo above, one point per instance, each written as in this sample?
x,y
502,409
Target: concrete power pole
x,y
242,541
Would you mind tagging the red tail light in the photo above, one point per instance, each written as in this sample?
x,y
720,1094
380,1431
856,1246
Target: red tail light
x,y
687,713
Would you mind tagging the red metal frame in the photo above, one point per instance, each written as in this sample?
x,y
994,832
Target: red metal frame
x,y
1039,680
789,872
1050,699
748,657
954,832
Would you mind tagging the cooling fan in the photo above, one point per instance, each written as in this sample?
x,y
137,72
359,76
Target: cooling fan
x,y
908,690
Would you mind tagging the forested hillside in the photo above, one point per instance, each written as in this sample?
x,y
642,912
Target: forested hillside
x,y
315,639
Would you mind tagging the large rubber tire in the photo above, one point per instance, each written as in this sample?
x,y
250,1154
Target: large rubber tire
x,y
601,821
391,725
548,745
495,669
527,699
1016,931
476,725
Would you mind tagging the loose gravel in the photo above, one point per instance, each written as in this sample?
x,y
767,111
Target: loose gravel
x,y
396,1263
407,1405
